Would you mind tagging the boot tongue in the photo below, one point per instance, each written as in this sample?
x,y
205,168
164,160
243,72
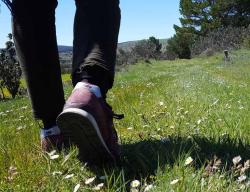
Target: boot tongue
x,y
92,88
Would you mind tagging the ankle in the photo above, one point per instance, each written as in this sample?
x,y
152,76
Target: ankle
x,y
47,124
50,131
92,88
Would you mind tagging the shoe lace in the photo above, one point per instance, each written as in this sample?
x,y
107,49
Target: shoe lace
x,y
118,116
114,115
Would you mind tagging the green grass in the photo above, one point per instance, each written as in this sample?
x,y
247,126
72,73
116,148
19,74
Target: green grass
x,y
197,108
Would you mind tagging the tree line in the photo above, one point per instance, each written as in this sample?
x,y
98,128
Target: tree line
x,y
201,19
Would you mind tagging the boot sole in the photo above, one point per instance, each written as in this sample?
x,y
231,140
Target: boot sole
x,y
82,129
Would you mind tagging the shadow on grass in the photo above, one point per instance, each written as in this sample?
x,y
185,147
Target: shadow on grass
x,y
144,158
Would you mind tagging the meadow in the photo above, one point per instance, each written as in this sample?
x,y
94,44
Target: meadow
x,y
186,128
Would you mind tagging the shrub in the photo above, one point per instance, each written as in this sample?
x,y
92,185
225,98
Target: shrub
x,y
180,44
220,39
10,70
143,50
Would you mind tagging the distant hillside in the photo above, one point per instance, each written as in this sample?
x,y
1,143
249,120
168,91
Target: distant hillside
x,y
124,45
64,48
127,45
130,44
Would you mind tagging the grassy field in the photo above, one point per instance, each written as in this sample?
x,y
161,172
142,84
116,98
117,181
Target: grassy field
x,y
186,128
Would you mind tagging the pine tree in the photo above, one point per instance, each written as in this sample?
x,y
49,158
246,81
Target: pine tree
x,y
201,16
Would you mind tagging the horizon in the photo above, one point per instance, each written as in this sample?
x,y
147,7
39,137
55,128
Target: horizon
x,y
138,21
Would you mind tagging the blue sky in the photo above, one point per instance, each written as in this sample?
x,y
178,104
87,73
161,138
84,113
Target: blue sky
x,y
140,20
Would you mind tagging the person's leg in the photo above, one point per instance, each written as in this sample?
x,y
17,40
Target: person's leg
x,y
36,47
96,29
35,40
87,119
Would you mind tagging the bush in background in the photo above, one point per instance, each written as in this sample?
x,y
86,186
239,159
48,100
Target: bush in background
x,y
143,50
10,70
220,39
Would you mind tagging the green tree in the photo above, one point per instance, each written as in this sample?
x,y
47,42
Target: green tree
x,y
201,16
180,45
156,45
147,49
10,70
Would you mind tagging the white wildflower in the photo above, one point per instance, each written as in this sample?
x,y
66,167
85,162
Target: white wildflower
x,y
52,153
20,128
199,121
189,161
98,187
54,157
174,181
161,103
77,187
242,178
69,176
148,188
237,160
135,184
57,173
12,170
134,190
89,180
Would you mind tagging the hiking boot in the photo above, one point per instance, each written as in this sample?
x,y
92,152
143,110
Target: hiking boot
x,y
51,139
88,121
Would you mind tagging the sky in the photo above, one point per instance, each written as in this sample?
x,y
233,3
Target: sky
x,y
140,20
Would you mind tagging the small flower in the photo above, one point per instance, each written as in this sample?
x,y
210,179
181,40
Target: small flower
x,y
54,157
52,153
134,190
89,180
57,173
20,128
135,184
174,181
12,170
148,188
76,187
237,160
69,176
242,178
130,128
199,121
98,187
189,161
165,139
161,103
247,164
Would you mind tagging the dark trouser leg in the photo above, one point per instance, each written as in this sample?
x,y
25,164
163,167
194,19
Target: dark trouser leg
x,y
36,46
96,31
